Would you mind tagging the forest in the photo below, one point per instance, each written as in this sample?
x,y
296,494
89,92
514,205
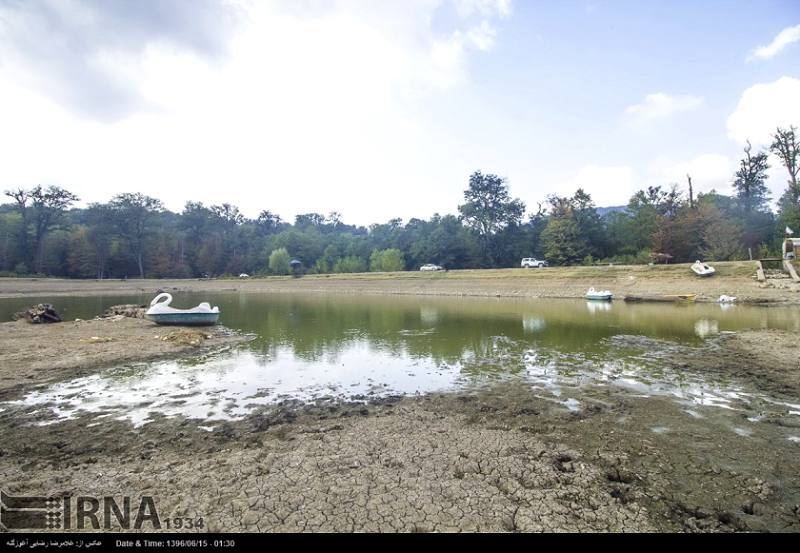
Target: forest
x,y
42,232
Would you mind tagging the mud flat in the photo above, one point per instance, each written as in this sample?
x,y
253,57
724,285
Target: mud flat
x,y
34,354
767,359
732,278
500,460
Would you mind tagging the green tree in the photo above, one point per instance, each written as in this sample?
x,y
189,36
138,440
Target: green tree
x,y
389,260
750,180
350,264
279,261
488,207
133,214
786,147
99,236
45,210
562,241
590,224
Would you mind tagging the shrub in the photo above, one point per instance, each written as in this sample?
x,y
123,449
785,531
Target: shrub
x,y
279,261
350,264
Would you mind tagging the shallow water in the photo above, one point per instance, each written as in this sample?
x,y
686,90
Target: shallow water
x,y
573,353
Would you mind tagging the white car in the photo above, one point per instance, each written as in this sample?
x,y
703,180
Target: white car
x,y
244,275
430,267
529,262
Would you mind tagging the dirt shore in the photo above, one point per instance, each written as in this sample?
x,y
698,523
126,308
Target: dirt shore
x,y
34,354
733,279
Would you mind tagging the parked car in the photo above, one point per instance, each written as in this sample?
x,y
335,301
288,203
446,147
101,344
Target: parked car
x,y
529,262
430,267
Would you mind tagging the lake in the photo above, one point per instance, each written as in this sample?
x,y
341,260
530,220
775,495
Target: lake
x,y
357,348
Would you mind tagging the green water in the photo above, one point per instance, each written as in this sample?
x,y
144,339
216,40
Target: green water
x,y
443,327
360,347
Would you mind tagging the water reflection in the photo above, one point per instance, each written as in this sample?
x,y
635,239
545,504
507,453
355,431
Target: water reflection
x,y
598,306
356,348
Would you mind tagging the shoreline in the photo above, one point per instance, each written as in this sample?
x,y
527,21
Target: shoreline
x,y
732,279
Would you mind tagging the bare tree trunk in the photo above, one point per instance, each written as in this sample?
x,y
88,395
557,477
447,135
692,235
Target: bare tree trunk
x,y
141,264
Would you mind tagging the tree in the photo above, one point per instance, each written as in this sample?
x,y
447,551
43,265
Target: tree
x,y
489,207
133,214
279,261
100,221
590,224
269,223
307,220
388,260
21,197
722,237
562,241
750,180
350,264
785,146
48,206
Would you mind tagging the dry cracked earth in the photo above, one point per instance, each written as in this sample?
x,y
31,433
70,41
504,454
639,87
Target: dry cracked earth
x,y
437,463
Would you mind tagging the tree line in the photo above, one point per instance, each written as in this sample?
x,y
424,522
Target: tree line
x,y
133,235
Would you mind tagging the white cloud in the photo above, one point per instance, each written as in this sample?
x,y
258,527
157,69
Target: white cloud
x,y
762,108
660,106
781,41
607,184
708,172
305,113
485,8
482,36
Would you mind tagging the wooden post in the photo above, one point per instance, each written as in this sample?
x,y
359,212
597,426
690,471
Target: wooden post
x,y
787,264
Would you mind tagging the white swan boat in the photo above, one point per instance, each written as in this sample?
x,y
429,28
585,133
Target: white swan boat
x,y
161,313
703,270
601,295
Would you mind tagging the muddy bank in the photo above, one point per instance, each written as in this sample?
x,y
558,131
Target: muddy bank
x,y
733,279
34,354
768,359
496,460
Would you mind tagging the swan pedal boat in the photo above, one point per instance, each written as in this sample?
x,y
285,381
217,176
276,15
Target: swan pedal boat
x,y
703,270
161,313
600,295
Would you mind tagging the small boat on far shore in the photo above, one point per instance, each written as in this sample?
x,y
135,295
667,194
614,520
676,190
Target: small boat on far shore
x,y
599,295
161,313
702,269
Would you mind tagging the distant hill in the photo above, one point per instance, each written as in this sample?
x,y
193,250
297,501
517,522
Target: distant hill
x,y
606,211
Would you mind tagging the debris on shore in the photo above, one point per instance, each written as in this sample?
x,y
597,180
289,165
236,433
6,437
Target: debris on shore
x,y
131,310
186,337
38,314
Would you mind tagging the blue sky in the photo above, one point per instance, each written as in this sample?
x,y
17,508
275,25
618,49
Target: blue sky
x,y
381,109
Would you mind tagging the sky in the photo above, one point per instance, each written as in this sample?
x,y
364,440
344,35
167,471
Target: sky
x,y
383,108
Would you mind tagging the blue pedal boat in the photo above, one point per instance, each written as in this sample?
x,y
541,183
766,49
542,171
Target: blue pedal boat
x,y
161,313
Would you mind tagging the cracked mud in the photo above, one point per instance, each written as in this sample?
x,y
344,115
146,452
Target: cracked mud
x,y
495,460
